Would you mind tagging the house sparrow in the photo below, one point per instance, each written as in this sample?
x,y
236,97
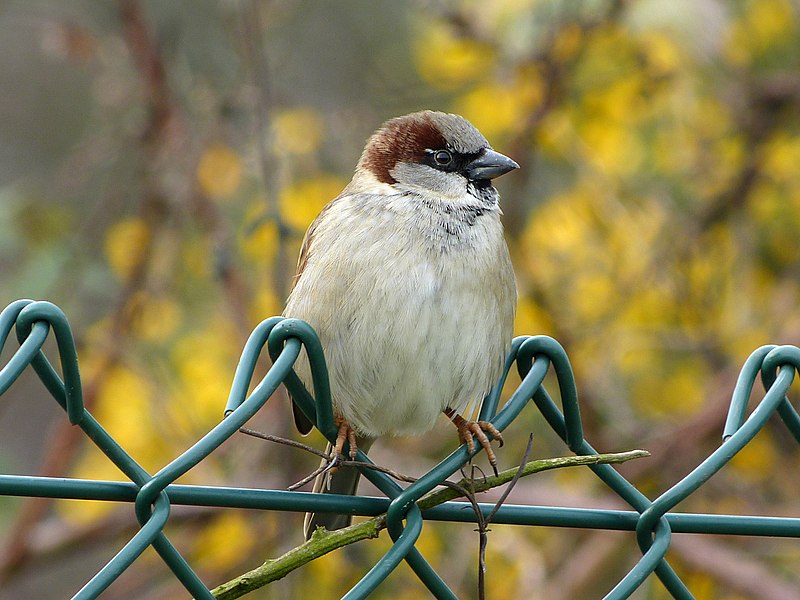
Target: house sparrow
x,y
407,280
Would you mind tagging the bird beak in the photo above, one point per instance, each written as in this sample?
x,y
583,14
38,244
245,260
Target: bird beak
x,y
489,165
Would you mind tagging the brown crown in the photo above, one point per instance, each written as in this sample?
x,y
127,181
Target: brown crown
x,y
403,139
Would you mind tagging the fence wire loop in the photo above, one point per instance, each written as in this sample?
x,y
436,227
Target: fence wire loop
x,y
285,341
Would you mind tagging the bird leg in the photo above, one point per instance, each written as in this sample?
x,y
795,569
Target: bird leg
x,y
346,433
469,430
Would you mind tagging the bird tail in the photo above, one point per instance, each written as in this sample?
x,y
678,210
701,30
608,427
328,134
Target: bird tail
x,y
342,480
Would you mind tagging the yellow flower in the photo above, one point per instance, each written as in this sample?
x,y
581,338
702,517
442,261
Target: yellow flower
x,y
498,110
297,131
765,25
204,362
446,61
755,461
265,304
155,318
614,149
782,156
301,202
663,55
125,244
259,239
223,542
219,171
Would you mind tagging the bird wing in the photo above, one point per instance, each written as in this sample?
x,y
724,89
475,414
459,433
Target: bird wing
x,y
301,421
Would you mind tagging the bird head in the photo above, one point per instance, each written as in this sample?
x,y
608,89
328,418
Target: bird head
x,y
431,152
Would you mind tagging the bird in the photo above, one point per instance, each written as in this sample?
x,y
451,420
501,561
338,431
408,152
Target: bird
x,y
407,280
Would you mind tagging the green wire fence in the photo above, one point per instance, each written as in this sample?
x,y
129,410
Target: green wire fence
x,y
152,494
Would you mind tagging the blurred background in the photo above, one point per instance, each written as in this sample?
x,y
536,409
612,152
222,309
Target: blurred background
x,y
160,161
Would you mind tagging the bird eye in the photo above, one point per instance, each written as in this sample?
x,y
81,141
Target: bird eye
x,y
442,157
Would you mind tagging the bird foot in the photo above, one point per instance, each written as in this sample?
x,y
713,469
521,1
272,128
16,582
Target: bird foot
x,y
346,434
469,430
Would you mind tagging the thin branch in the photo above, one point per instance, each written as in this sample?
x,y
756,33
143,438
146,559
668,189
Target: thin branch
x,y
287,442
322,542
324,467
65,441
513,482
256,61
483,524
330,460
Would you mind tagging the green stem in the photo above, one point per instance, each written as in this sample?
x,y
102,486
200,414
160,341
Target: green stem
x,y
322,542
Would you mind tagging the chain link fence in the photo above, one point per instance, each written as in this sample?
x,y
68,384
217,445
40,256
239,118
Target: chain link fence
x,y
533,356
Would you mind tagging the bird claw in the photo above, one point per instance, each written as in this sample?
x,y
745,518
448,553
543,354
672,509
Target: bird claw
x,y
469,430
347,434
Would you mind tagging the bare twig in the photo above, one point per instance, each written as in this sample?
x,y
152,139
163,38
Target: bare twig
x,y
513,482
323,542
64,443
285,441
262,111
324,467
483,524
332,459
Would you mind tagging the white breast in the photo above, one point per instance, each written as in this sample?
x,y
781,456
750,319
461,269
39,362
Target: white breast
x,y
412,319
